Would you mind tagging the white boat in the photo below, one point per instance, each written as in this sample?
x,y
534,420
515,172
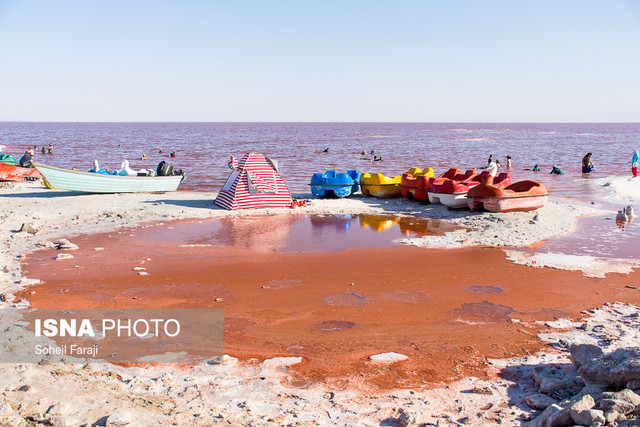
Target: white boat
x,y
91,182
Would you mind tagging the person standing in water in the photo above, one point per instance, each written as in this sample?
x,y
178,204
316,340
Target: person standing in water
x,y
490,160
634,164
509,163
587,166
493,171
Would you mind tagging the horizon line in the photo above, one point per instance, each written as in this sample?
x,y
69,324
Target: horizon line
x,y
319,122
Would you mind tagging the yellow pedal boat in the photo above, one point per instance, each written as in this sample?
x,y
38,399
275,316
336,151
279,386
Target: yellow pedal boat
x,y
380,186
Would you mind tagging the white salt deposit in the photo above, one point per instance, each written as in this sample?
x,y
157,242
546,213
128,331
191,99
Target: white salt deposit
x,y
622,187
389,357
589,265
275,362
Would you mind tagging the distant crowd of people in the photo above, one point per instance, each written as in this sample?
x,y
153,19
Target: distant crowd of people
x,y
587,165
492,165
26,161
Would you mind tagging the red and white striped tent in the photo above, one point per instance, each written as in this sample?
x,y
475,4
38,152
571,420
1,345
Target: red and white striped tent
x,y
253,183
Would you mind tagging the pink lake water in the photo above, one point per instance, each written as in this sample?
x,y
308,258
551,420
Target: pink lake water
x,y
202,151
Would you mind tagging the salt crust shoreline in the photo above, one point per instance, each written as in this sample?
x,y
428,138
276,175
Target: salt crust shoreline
x,y
230,392
621,187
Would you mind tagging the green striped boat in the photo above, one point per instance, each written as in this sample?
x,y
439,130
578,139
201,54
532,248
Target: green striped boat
x,y
90,182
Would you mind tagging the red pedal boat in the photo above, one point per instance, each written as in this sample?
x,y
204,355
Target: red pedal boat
x,y
16,173
518,197
413,184
453,193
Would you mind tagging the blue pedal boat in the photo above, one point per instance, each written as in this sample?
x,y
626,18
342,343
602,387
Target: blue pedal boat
x,y
336,184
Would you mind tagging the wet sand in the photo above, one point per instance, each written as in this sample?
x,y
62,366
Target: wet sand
x,y
448,310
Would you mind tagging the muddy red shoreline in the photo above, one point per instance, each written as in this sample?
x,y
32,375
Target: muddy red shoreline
x,y
448,310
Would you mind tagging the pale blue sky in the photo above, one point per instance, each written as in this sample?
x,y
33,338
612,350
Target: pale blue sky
x,y
324,60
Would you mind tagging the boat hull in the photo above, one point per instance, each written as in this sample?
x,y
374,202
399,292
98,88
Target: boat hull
x,y
332,183
452,200
90,182
521,196
507,204
336,190
16,173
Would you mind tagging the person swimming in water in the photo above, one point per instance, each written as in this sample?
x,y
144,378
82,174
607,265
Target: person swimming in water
x,y
536,168
587,166
556,171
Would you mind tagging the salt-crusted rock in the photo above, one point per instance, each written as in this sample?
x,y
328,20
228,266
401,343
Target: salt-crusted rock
x,y
482,389
64,244
558,419
35,411
119,419
407,417
5,409
552,385
539,401
28,228
590,417
62,421
582,414
58,409
621,406
553,416
7,297
45,245
612,416
63,256
595,390
582,353
614,369
538,374
13,421
626,395
389,357
582,404
281,361
225,359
